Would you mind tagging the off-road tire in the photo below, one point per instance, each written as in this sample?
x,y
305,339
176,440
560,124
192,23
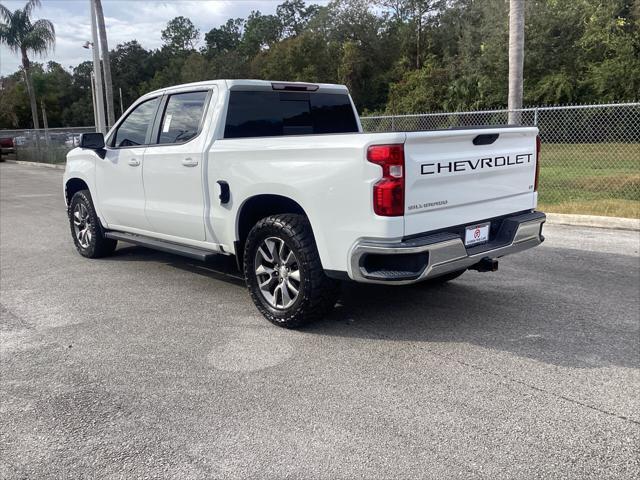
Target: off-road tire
x,y
317,294
98,246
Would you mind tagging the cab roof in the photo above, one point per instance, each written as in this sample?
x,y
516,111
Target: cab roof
x,y
267,85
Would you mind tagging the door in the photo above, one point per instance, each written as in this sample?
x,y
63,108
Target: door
x,y
173,169
119,174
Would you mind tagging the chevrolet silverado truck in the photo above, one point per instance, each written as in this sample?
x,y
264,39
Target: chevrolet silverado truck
x,y
281,175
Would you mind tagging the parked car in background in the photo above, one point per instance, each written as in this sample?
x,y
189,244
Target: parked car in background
x,y
73,140
281,176
6,146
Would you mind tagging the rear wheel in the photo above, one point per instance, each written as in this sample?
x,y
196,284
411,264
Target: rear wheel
x,y
86,230
284,274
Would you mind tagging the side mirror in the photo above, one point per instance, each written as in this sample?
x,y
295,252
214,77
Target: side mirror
x,y
92,141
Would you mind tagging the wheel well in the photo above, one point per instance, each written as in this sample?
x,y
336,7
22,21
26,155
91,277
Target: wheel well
x,y
257,208
74,185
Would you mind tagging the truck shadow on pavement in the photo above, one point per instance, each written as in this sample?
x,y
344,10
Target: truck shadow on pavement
x,y
524,322
476,309
220,268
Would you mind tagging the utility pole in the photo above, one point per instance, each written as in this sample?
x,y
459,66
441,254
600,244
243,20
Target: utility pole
x,y
97,72
516,60
106,63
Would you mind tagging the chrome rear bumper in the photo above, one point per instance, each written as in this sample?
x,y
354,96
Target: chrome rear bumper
x,y
434,255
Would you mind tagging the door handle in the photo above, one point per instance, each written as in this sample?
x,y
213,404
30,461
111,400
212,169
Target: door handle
x,y
189,162
134,162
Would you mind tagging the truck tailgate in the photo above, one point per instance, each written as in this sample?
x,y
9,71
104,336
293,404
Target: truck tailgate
x,y
455,177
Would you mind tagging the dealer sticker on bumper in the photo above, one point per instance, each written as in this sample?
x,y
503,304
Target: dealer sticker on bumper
x,y
476,234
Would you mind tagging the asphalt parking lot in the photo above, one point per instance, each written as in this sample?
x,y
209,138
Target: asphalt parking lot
x,y
147,365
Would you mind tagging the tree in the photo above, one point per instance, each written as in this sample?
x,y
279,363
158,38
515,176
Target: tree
x,y
353,20
104,49
180,35
516,59
420,91
22,35
79,110
53,86
260,31
306,57
14,101
416,14
195,69
225,38
577,51
132,65
472,45
419,11
294,16
610,52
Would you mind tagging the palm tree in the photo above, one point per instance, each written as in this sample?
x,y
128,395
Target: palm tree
x,y
22,36
516,59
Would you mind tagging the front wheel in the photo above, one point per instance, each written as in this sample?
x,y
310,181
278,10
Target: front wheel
x,y
283,272
87,232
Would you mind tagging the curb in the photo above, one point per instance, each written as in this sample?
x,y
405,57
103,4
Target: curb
x,y
595,221
57,166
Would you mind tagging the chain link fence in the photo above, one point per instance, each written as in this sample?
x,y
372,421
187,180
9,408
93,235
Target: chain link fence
x,y
590,161
590,158
44,145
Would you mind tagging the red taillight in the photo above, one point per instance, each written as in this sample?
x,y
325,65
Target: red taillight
x,y
388,193
535,183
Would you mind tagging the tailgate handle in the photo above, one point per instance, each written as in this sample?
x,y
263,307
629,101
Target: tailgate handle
x,y
486,139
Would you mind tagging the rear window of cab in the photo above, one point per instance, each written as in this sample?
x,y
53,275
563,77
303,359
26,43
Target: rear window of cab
x,y
269,114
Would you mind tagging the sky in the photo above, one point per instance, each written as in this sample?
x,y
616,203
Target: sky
x,y
125,20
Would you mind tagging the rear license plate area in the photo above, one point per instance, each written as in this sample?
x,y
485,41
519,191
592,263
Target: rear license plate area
x,y
476,234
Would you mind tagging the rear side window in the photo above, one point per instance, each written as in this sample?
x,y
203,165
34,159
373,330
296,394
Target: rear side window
x,y
133,130
268,114
182,117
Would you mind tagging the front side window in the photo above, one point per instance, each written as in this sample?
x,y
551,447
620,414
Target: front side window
x,y
267,114
182,117
133,130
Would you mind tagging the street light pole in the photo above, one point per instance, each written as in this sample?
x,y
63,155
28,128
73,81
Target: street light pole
x,y
97,72
106,63
93,100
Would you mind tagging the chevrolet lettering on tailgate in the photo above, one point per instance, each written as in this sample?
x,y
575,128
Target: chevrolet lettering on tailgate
x,y
480,163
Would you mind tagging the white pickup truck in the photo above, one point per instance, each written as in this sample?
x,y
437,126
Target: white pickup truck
x,y
282,176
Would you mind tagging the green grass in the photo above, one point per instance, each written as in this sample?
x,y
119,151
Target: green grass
x,y
591,179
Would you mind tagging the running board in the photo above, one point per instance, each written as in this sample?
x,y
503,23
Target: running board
x,y
162,245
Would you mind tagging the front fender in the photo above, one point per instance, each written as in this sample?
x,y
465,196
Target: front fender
x,y
81,165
